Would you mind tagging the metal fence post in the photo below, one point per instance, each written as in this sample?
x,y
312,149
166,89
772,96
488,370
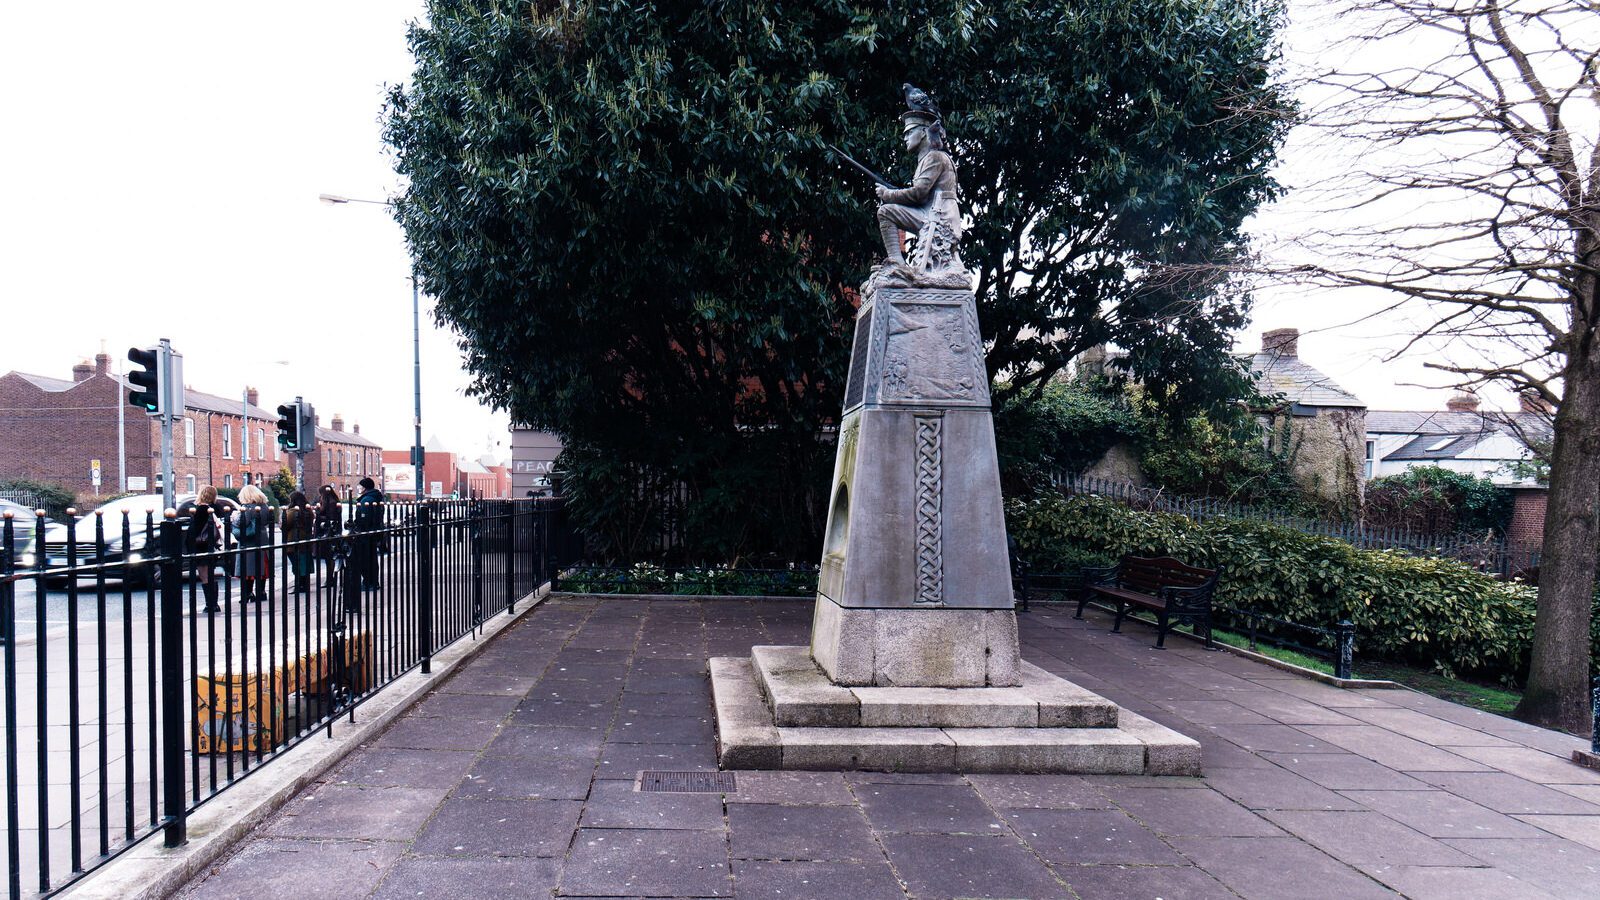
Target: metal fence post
x,y
425,587
533,545
547,517
1347,646
172,682
475,534
509,526
1594,739
8,633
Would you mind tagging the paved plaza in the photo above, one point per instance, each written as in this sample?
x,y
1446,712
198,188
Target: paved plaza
x,y
518,777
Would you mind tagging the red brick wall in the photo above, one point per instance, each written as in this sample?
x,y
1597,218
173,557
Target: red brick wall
x,y
52,435
342,464
1527,516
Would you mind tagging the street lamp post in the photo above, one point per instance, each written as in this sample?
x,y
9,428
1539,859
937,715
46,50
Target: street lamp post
x,y
417,458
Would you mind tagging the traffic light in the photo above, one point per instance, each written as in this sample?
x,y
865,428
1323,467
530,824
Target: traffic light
x,y
307,434
288,424
146,380
297,427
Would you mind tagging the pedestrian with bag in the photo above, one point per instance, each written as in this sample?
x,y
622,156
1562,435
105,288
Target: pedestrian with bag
x,y
299,527
202,539
252,527
367,524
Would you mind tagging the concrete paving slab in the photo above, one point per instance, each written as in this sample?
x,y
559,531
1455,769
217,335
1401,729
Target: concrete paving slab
x,y
1122,882
927,808
483,827
1065,837
469,879
809,833
959,865
607,862
817,880
620,804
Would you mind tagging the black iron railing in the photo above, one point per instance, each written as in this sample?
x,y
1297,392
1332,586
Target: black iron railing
x,y
127,704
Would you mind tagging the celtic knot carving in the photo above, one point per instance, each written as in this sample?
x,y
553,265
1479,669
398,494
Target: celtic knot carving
x,y
929,510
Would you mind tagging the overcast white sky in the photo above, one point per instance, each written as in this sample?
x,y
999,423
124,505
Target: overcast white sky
x,y
168,157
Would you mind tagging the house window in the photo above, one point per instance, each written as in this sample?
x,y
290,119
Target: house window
x,y
327,461
227,441
227,481
189,484
277,451
261,443
188,436
347,462
1372,448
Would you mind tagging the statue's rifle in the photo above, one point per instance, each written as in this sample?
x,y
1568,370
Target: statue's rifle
x,y
863,169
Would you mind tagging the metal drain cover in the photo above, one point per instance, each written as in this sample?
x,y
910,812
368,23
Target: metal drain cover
x,y
688,782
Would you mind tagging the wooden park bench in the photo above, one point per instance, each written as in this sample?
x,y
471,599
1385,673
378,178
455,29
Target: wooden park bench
x,y
1175,592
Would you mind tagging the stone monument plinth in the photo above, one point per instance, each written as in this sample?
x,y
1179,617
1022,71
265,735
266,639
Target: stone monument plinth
x,y
915,581
914,663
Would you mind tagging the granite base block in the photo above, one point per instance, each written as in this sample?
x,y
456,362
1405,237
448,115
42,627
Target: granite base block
x,y
978,730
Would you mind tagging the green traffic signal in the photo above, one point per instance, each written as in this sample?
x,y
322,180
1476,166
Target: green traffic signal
x,y
288,415
146,380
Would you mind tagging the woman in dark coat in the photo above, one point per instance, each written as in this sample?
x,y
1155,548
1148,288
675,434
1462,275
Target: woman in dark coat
x,y
329,525
204,536
253,524
299,526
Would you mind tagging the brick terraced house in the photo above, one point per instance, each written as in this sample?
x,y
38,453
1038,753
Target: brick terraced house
x,y
52,430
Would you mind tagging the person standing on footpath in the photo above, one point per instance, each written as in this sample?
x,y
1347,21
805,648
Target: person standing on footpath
x,y
329,523
368,521
202,539
299,527
252,527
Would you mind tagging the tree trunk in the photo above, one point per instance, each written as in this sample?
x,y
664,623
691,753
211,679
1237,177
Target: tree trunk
x,y
1557,694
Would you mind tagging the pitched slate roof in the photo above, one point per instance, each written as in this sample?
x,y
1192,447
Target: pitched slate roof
x,y
43,383
192,399
1422,447
1299,382
343,437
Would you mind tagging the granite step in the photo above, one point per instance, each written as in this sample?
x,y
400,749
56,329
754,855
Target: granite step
x,y
801,695
748,738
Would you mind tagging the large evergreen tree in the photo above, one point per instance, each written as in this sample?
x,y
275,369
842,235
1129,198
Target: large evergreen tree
x,y
627,211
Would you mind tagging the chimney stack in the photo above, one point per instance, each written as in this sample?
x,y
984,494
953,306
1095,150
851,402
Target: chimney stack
x,y
82,372
253,396
102,364
1284,342
1462,403
1532,401
338,422
356,428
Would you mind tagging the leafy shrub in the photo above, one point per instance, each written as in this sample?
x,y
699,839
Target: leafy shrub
x,y
53,498
1065,428
1435,613
1435,499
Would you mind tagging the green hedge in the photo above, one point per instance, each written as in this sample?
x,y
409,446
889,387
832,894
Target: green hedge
x,y
1435,613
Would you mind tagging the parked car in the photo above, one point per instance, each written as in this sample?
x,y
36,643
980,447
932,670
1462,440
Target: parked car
x,y
138,510
23,523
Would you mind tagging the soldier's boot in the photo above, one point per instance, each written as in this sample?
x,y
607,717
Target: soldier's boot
x,y
891,241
